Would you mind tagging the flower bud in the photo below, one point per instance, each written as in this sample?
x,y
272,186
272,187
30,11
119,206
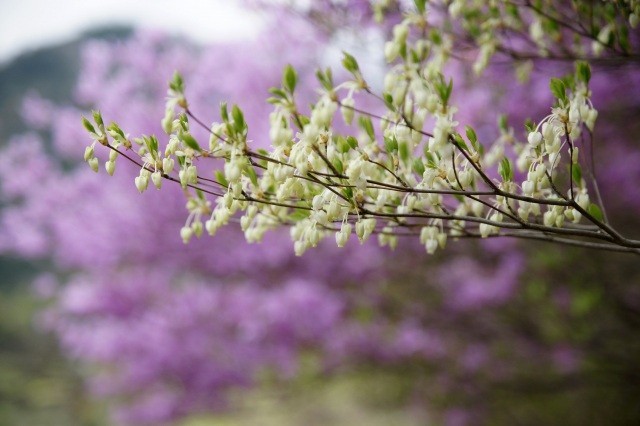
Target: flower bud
x,y
590,119
534,138
88,153
442,240
583,200
167,165
477,208
549,218
110,166
431,245
142,182
391,50
523,213
186,233
93,163
313,236
156,177
528,187
167,121
197,228
342,236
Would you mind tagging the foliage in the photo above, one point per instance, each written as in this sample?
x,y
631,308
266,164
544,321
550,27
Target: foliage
x,y
418,176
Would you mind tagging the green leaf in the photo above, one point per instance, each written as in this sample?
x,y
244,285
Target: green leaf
x,y
403,152
432,160
388,100
353,142
595,211
418,166
221,178
503,125
414,57
505,170
558,88
583,71
530,125
113,127
435,37
338,165
444,89
177,83
289,79
471,135
97,117
341,144
249,171
403,50
449,88
461,143
390,144
298,214
576,173
348,193
190,141
238,119
304,120
184,121
275,91
420,5
87,125
367,126
325,78
151,143
474,142
224,112
350,63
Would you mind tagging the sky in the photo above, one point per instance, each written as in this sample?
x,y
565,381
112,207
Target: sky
x,y
31,24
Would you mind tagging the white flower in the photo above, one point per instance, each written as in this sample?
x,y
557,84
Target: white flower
x,y
89,153
186,233
528,187
167,165
364,228
110,166
156,177
142,182
93,163
342,236
431,245
583,200
549,218
534,138
391,50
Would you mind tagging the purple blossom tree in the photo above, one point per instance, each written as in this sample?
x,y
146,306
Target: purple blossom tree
x,y
170,330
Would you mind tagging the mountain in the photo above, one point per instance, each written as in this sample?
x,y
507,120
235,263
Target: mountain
x,y
51,72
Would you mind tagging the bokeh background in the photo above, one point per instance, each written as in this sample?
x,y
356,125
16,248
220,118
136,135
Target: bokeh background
x,y
106,318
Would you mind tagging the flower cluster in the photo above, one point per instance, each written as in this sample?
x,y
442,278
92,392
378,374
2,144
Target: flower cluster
x,y
406,170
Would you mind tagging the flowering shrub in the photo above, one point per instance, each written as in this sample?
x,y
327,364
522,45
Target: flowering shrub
x,y
418,176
